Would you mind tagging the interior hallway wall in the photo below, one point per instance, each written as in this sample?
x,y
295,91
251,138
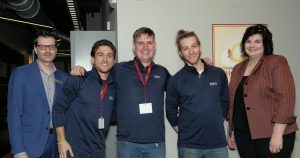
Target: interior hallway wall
x,y
165,17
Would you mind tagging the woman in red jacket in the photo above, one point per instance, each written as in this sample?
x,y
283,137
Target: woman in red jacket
x,y
262,100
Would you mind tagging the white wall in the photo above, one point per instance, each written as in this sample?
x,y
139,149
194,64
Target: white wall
x,y
165,17
82,43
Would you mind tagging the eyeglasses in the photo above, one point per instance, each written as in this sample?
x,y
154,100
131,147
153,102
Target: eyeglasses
x,y
44,47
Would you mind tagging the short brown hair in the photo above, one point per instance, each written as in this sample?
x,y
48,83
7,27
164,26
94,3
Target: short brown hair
x,y
103,42
143,30
44,34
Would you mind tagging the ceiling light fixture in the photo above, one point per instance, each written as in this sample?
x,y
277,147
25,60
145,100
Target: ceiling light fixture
x,y
25,22
73,10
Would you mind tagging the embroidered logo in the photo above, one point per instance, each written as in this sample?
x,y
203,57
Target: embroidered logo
x,y
156,76
110,98
213,83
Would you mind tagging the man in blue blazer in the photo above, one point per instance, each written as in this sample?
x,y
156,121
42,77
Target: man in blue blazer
x,y
31,91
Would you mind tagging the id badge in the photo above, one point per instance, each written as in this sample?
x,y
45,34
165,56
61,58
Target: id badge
x,y
145,108
101,123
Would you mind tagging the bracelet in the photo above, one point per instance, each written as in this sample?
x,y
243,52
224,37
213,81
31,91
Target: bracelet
x,y
61,142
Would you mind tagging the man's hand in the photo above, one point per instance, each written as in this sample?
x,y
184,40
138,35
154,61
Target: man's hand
x,y
176,129
231,143
208,61
63,150
21,155
77,71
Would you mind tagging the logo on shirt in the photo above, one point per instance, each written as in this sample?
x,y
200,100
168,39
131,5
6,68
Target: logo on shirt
x,y
111,98
156,76
213,83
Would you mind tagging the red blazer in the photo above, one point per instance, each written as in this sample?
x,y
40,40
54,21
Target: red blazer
x,y
269,95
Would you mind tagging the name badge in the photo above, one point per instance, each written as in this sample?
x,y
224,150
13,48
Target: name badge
x,y
145,108
101,123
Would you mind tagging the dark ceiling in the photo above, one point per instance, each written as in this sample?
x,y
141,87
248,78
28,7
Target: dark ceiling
x,y
58,13
51,13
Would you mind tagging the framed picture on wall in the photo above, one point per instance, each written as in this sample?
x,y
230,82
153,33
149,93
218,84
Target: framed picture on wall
x,y
226,40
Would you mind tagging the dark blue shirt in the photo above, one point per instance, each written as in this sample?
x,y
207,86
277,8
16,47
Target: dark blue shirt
x,y
133,126
197,104
77,108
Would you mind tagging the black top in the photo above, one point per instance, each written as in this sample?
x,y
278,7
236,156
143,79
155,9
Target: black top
x,y
240,120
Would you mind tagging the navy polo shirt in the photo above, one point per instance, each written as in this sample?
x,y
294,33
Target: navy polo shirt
x,y
198,104
133,126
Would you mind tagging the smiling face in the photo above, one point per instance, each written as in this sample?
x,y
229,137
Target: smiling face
x,y
190,50
144,47
45,49
254,46
103,59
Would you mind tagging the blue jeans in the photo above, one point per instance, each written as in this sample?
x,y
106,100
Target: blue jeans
x,y
127,149
199,153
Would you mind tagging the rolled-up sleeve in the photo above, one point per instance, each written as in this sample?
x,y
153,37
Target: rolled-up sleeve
x,y
284,88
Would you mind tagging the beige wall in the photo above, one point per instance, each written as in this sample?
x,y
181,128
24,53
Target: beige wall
x,y
165,17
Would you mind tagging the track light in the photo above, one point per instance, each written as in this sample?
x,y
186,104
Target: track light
x,y
73,10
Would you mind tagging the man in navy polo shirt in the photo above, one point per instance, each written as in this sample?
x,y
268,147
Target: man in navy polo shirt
x,y
140,86
197,103
140,102
83,110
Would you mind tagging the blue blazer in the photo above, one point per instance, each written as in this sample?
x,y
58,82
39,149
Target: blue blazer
x,y
28,110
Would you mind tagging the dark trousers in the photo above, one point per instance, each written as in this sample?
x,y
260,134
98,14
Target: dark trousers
x,y
51,150
259,148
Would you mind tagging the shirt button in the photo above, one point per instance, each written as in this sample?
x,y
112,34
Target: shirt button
x,y
248,108
245,95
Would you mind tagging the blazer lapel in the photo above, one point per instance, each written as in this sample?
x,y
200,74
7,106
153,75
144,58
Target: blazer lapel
x,y
241,72
257,66
39,81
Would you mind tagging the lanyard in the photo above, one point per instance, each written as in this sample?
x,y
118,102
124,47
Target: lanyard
x,y
144,82
102,94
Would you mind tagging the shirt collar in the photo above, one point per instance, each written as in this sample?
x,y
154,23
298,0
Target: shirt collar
x,y
141,65
41,69
193,69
